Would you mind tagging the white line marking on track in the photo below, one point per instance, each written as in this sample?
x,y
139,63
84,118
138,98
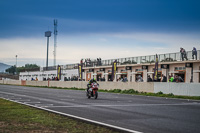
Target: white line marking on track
x,y
32,102
77,117
44,105
132,105
14,98
23,100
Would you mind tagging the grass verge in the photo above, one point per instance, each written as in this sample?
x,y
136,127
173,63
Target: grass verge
x,y
19,118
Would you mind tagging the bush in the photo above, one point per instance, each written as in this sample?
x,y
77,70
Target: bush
x,y
170,94
159,93
116,90
131,91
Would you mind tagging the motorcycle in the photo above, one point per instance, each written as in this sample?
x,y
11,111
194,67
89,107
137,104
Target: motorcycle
x,y
92,91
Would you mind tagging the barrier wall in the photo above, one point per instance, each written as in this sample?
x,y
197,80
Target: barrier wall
x,y
12,82
145,87
187,89
37,83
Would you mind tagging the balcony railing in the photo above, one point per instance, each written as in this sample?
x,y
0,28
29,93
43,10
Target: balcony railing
x,y
170,57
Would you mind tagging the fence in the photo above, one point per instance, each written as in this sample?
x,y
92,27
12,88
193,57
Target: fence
x,y
169,57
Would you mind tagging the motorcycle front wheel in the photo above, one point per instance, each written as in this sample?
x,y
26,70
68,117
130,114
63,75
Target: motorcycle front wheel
x,y
88,95
96,95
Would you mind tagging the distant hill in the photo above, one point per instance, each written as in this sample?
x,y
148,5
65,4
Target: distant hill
x,y
3,67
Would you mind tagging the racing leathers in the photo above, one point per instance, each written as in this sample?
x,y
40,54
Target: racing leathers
x,y
90,82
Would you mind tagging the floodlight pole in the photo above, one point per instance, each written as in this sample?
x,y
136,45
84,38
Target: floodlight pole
x,y
16,64
47,52
47,34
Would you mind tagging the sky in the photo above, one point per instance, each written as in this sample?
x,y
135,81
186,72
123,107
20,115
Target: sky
x,y
96,28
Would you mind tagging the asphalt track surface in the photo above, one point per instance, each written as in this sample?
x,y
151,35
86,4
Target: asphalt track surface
x,y
134,113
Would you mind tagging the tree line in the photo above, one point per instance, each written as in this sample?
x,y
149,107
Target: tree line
x,y
17,70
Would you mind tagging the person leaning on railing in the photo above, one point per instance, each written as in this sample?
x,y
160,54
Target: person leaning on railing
x,y
194,53
183,54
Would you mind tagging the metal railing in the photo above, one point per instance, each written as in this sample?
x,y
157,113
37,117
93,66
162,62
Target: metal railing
x,y
169,57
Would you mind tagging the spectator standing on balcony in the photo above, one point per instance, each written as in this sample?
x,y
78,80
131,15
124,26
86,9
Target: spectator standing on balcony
x,y
97,61
100,61
183,54
194,53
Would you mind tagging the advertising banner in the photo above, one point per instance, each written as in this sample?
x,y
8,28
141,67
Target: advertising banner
x,y
155,75
114,69
80,71
59,72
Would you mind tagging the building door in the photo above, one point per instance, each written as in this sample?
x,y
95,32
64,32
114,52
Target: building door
x,y
109,77
88,76
138,74
159,76
99,77
182,74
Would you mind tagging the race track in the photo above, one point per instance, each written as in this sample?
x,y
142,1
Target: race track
x,y
127,112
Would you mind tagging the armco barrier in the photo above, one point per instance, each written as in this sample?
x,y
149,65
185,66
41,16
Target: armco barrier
x,y
186,89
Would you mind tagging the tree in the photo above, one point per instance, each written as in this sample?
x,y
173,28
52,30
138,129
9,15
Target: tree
x,y
12,69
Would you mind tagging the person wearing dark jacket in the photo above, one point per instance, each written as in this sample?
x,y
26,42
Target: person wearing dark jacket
x,y
178,79
164,78
194,53
149,79
93,80
183,54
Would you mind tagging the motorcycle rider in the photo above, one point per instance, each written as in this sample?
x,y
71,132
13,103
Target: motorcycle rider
x,y
93,80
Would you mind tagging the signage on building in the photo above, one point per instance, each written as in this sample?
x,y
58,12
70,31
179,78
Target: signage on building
x,y
91,70
155,75
138,70
188,64
144,67
102,69
109,71
164,66
114,70
128,68
80,71
59,72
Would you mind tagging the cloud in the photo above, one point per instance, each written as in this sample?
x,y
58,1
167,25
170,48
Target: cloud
x,y
71,49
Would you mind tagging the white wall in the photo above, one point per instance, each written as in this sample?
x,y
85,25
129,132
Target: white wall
x,y
47,74
187,89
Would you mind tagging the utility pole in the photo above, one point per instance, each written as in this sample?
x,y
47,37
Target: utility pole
x,y
47,34
55,39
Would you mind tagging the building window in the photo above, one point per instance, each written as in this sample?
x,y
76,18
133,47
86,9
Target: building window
x,y
138,70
